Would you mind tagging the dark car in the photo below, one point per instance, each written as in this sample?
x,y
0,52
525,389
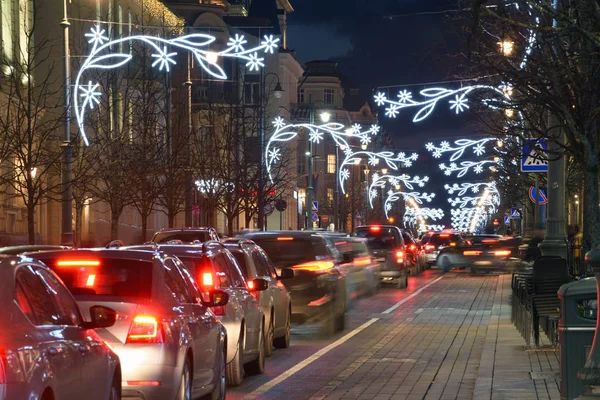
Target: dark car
x,y
29,248
479,253
438,241
318,288
414,253
185,235
388,248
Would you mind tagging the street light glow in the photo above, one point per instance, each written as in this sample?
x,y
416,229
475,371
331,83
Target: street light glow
x,y
325,116
507,47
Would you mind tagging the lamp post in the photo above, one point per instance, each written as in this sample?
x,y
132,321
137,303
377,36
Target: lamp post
x,y
67,189
190,188
336,195
325,116
278,93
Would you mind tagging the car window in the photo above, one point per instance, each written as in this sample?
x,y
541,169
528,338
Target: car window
x,y
445,240
289,251
234,271
240,257
268,262
262,269
224,278
176,283
380,238
184,236
43,308
190,282
70,314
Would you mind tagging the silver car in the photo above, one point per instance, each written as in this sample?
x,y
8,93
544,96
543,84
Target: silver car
x,y
275,300
214,267
170,344
47,350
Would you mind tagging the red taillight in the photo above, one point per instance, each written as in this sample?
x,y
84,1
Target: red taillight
x,y
2,368
399,256
219,310
429,247
502,253
78,263
375,228
444,235
471,253
207,280
144,383
145,329
413,247
252,290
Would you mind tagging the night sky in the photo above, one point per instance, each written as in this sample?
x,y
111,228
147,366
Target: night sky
x,y
419,46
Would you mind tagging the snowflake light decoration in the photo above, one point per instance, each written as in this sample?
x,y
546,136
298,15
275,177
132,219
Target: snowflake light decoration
x,y
396,193
104,56
459,148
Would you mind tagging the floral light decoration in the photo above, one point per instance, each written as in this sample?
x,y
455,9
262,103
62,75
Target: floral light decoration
x,y
481,202
414,216
428,227
316,133
458,150
394,194
104,55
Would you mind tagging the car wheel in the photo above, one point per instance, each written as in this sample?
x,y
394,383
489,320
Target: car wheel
x,y
185,387
234,371
220,389
328,325
257,367
403,282
115,389
269,339
340,322
283,342
445,263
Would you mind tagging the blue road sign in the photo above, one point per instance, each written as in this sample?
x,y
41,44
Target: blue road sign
x,y
315,206
514,213
507,220
315,217
539,197
533,157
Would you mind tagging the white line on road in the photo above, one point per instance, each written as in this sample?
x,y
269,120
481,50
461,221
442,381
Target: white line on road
x,y
274,382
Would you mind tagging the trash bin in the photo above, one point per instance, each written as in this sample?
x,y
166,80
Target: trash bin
x,y
576,330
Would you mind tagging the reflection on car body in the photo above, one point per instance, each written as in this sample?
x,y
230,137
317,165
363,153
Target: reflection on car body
x,y
169,342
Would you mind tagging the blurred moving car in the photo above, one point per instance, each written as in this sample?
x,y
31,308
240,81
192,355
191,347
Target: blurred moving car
x,y
170,344
215,268
479,253
357,264
318,288
438,241
387,245
414,253
50,351
185,235
275,300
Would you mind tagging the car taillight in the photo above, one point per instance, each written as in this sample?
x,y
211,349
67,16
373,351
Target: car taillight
x,y
207,280
2,368
472,253
429,247
253,292
502,253
413,247
145,329
315,266
399,256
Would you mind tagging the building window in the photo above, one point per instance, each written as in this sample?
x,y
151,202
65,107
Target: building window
x,y
328,96
301,163
301,96
330,194
252,90
331,164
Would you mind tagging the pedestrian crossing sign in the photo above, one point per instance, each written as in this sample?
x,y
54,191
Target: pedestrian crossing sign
x,y
534,155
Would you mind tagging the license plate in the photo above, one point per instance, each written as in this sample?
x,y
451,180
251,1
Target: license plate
x,y
381,259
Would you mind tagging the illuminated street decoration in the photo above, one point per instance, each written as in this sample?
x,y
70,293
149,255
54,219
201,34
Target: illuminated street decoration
x,y
104,55
414,216
396,193
457,100
457,150
341,136
426,227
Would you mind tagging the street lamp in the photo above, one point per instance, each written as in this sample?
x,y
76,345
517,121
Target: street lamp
x,y
325,116
67,189
384,171
277,93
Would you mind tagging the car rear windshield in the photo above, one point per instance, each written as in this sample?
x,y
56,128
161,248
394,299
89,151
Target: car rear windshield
x,y
289,251
444,239
109,278
185,237
241,259
380,239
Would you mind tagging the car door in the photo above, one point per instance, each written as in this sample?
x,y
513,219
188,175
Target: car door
x,y
205,333
250,307
58,345
95,363
278,291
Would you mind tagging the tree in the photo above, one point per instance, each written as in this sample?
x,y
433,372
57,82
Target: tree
x,y
555,80
30,116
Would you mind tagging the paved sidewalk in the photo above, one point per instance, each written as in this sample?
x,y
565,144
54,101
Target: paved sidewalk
x,y
509,369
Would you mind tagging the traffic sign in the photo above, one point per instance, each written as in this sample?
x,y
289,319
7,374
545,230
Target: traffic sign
x,y
515,213
268,209
315,206
281,205
540,198
507,220
315,217
533,157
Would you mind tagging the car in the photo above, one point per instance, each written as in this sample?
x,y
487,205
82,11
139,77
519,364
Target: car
x,y
480,253
318,288
438,241
29,248
215,268
275,301
185,235
170,344
47,349
388,248
414,253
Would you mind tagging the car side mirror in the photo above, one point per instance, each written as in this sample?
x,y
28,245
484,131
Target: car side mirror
x,y
215,298
258,285
286,273
101,317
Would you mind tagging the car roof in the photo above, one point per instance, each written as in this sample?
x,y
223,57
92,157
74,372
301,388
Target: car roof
x,y
13,250
274,234
120,253
187,229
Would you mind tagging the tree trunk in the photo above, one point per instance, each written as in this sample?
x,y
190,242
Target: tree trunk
x,y
114,224
591,211
144,215
31,222
171,218
78,222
